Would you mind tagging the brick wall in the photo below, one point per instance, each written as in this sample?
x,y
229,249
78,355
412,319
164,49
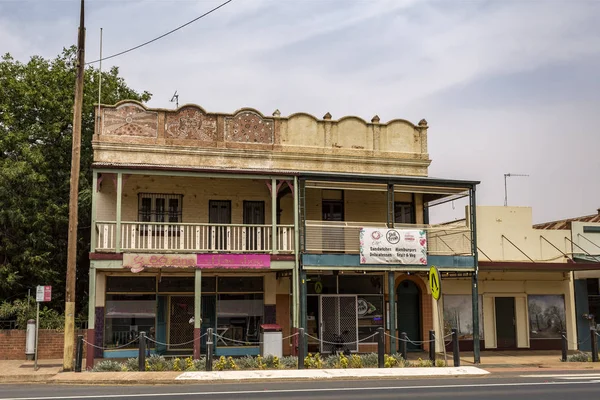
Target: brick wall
x,y
12,344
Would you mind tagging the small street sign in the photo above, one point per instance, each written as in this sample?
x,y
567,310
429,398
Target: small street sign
x,y
435,282
43,293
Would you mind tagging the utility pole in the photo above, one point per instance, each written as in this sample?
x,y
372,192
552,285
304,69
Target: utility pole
x,y
505,191
73,201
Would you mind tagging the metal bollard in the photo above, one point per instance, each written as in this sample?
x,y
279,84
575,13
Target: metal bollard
x,y
564,346
404,345
209,349
142,352
432,346
79,353
380,348
301,354
594,338
455,349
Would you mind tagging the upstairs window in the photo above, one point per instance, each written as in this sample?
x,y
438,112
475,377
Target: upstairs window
x,y
155,207
404,213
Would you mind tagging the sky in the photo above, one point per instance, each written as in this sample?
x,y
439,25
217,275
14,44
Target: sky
x,y
507,86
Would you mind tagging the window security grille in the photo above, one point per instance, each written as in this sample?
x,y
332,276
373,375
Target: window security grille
x,y
156,207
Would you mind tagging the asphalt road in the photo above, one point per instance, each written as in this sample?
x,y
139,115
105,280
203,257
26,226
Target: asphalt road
x,y
550,386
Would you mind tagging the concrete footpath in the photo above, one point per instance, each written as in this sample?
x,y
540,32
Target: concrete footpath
x,y
491,362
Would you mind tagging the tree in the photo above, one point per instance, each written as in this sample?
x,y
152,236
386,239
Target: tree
x,y
36,114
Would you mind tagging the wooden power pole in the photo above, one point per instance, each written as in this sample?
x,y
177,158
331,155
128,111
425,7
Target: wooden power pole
x,y
73,201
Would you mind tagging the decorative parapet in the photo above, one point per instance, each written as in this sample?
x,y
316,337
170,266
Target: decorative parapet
x,y
348,144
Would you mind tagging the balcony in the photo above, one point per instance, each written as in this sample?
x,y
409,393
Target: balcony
x,y
343,237
193,237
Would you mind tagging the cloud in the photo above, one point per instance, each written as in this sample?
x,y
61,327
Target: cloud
x,y
507,86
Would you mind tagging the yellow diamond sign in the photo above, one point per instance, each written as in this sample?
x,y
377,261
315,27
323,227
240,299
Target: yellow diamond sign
x,y
435,282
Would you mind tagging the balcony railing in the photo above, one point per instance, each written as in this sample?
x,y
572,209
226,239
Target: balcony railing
x,y
343,237
193,237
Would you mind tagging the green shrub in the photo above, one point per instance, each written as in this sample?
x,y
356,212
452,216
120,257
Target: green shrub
x,y
132,364
579,357
25,309
248,363
395,361
422,363
355,361
313,362
440,363
158,363
272,362
107,366
200,364
336,361
223,364
289,362
369,360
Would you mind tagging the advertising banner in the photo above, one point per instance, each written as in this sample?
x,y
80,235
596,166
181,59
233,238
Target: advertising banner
x,y
393,246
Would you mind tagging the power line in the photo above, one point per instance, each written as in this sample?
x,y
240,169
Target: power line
x,y
163,35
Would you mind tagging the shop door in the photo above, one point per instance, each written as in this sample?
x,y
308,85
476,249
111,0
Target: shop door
x,y
409,313
254,214
180,329
339,323
219,212
506,337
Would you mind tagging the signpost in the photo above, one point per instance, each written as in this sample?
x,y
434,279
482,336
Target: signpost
x,y
435,284
42,294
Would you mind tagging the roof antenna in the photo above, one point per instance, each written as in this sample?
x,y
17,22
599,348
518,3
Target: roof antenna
x,y
175,99
505,192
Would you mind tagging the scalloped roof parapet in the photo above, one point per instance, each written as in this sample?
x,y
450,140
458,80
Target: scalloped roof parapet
x,y
422,123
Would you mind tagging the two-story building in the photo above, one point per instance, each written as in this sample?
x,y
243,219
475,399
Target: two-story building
x,y
231,221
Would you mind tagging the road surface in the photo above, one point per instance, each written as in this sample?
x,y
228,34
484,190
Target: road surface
x,y
549,386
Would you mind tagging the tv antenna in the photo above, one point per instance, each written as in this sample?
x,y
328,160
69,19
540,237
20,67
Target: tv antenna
x,y
175,99
505,192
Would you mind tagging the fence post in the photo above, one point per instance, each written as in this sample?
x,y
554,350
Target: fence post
x,y
455,349
432,346
301,355
594,338
404,345
142,352
564,346
209,349
79,353
380,348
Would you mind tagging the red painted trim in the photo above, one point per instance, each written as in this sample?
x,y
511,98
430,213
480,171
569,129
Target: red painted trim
x,y
89,351
106,256
282,257
197,343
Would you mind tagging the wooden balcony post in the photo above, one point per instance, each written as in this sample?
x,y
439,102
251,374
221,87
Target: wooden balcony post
x,y
119,198
93,233
274,232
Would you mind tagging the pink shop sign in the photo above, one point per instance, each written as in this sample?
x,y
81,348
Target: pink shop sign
x,y
138,262
233,261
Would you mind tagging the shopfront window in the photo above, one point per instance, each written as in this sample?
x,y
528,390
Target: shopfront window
x,y
238,319
125,316
240,308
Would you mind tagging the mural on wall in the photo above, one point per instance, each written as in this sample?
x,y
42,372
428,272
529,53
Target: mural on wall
x,y
546,316
191,123
458,313
248,127
130,120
